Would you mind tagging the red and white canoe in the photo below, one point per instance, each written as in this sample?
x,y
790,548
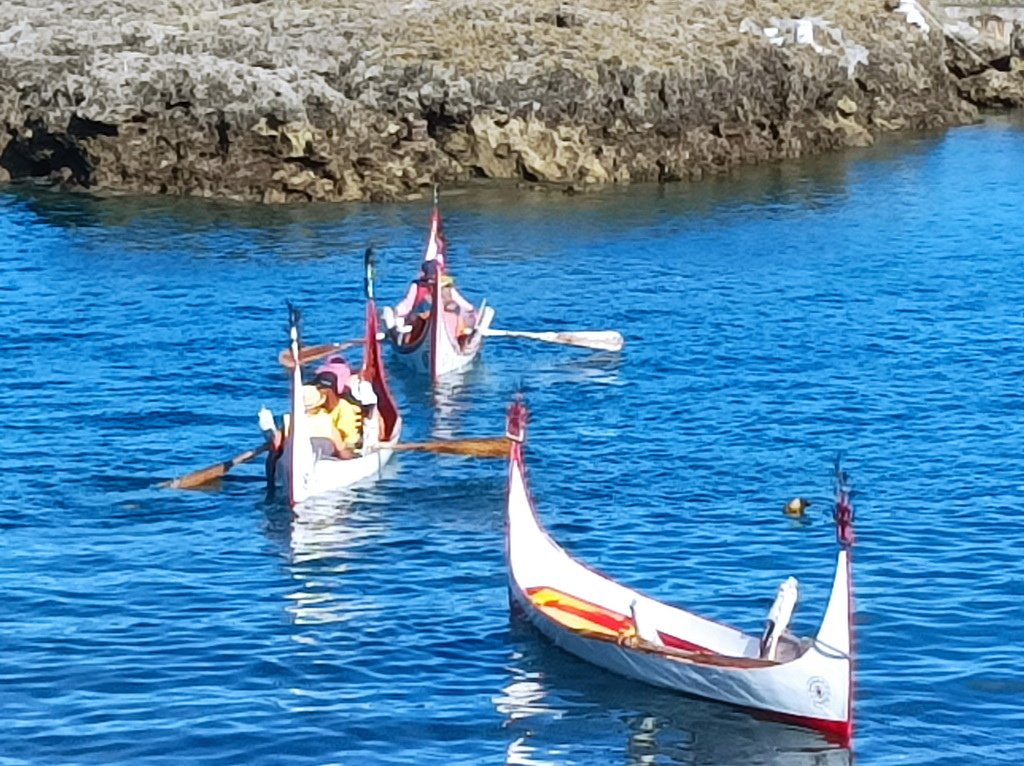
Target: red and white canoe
x,y
806,681
441,340
307,475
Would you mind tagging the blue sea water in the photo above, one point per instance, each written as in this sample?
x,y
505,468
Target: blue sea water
x,y
869,305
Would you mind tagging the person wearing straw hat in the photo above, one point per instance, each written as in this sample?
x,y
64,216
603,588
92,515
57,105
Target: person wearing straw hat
x,y
334,422
333,401
323,436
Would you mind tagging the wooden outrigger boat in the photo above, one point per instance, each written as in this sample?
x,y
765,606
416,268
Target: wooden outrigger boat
x,y
447,336
805,681
305,473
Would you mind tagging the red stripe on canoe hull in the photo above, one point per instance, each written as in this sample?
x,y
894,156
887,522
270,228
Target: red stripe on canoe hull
x,y
679,643
836,732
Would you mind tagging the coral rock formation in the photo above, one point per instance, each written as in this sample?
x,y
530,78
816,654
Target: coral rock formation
x,y
287,100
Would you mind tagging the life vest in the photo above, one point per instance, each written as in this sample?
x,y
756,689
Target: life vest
x,y
424,296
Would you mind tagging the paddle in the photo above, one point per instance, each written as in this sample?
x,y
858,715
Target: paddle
x,y
486,447
496,446
198,478
600,340
311,353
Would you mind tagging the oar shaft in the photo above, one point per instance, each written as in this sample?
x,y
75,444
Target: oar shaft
x,y
313,353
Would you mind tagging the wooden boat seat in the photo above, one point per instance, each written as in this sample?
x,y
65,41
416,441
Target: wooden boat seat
x,y
605,624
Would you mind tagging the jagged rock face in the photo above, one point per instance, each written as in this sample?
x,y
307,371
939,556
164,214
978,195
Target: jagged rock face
x,y
351,99
988,60
993,88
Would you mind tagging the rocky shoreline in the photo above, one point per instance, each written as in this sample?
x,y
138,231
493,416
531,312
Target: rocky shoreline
x,y
281,101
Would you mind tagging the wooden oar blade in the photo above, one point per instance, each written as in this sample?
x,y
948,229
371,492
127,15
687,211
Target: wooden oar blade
x,y
495,447
312,353
196,478
206,475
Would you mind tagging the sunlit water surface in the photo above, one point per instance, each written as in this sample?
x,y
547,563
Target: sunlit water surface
x,y
870,305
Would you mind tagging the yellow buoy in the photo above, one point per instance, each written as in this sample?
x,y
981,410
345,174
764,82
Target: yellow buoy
x,y
796,506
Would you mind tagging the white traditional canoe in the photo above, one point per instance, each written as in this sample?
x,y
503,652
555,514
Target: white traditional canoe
x,y
305,474
806,681
441,346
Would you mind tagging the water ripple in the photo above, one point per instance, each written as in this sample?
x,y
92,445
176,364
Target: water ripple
x,y
868,306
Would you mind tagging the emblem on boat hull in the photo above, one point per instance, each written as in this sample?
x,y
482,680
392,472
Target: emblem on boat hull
x,y
820,691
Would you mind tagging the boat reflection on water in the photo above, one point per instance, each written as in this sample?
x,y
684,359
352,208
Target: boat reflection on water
x,y
448,399
522,753
522,699
323,536
553,701
324,532
450,396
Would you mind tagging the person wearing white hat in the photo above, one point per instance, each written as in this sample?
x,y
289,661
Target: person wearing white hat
x,y
362,392
323,436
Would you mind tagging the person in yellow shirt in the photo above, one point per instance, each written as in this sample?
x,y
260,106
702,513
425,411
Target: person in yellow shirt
x,y
334,416
337,417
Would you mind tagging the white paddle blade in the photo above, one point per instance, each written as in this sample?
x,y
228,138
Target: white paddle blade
x,y
599,340
602,340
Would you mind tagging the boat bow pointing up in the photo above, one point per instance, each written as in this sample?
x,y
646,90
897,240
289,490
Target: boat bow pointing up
x,y
808,681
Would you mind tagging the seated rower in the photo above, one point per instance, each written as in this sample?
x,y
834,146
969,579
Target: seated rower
x,y
336,416
409,318
454,303
362,393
